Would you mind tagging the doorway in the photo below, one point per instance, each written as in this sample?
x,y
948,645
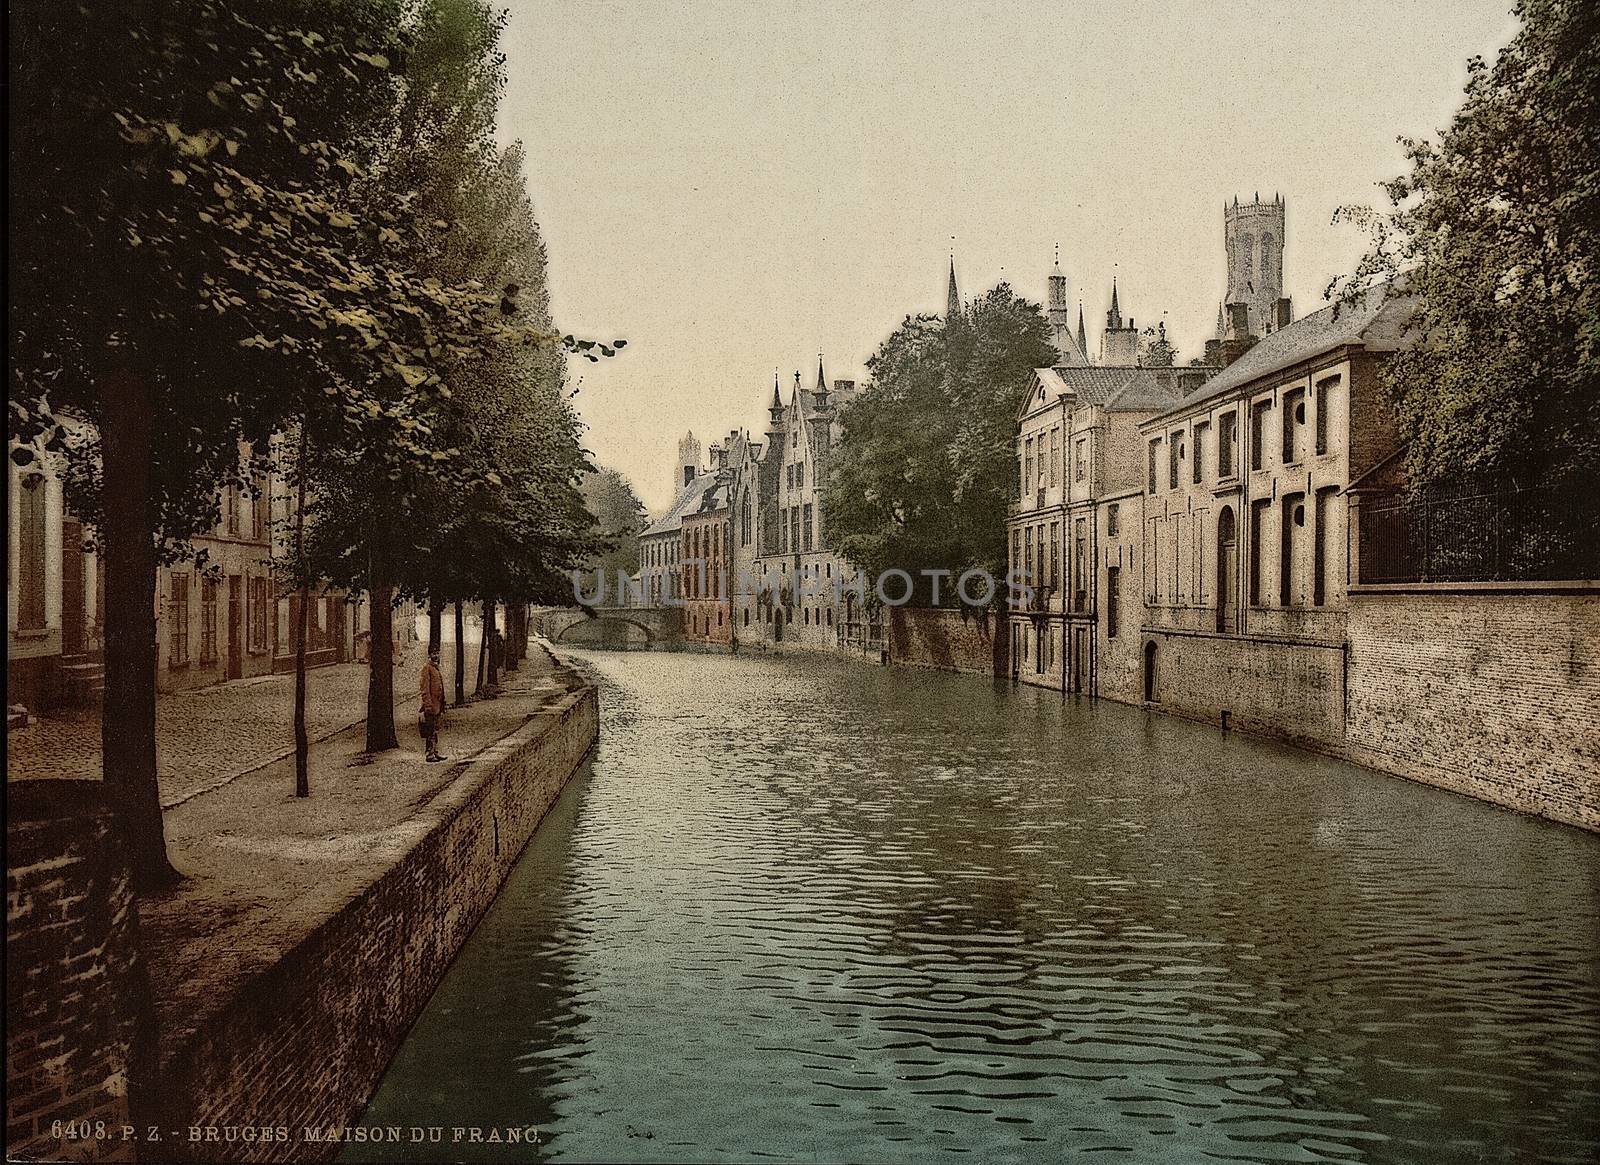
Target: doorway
x,y
1080,657
1150,672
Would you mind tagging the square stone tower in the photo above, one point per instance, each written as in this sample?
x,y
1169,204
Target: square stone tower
x,y
1253,236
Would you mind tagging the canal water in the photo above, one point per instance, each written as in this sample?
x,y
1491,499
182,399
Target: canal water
x,y
824,911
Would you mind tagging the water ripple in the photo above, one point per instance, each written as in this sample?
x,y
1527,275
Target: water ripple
x,y
822,912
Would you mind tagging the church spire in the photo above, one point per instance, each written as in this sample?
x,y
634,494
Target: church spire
x,y
822,383
952,307
1083,338
1114,316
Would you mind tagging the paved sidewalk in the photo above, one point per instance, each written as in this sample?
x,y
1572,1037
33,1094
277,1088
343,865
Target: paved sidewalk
x,y
263,868
209,736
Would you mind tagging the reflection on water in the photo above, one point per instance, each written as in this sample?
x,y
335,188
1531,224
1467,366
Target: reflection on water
x,y
840,913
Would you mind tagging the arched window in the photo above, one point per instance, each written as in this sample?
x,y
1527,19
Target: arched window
x,y
1247,247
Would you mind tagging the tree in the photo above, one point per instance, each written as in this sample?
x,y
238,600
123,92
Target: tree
x,y
176,221
1493,233
927,462
619,516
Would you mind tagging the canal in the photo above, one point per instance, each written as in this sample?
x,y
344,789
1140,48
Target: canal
x,y
822,911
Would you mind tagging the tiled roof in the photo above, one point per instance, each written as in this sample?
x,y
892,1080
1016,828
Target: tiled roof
x,y
688,501
1120,389
1377,322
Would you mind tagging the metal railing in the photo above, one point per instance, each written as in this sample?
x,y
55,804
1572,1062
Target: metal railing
x,y
1518,535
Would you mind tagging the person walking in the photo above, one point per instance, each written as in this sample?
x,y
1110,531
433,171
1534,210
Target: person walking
x,y
432,710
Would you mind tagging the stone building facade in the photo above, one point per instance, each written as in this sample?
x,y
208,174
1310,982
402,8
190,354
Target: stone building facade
x,y
1078,445
1244,526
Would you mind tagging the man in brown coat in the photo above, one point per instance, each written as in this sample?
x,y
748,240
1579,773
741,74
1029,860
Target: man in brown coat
x,y
432,710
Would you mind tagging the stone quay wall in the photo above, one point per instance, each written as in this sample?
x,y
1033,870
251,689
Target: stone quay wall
x,y
1490,692
304,1044
77,1000
1280,687
949,640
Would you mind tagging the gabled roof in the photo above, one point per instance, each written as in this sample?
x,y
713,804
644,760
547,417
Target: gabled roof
x,y
689,500
1377,323
1122,388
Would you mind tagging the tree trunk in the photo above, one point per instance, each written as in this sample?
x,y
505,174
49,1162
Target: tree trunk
x,y
491,609
381,734
483,650
302,738
128,720
435,623
461,656
513,613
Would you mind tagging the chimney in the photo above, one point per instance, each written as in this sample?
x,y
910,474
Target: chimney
x,y
1284,315
1238,321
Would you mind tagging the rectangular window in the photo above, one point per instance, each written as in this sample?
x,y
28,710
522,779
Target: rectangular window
x,y
1044,563
1055,553
1055,456
231,501
1294,419
1257,510
794,531
259,604
805,529
1294,521
1197,455
1227,434
1027,557
178,621
1113,600
1080,565
1326,391
1174,455
208,620
1155,457
31,546
1113,520
1258,426
800,474
1080,458
1027,466
1016,549
1324,545
260,509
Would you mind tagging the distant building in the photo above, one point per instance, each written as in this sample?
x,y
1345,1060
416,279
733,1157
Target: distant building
x,y
1078,455
1254,305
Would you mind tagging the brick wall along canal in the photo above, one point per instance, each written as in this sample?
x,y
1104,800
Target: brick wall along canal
x,y
811,910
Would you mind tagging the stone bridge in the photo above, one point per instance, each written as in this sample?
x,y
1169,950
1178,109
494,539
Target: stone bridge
x,y
619,628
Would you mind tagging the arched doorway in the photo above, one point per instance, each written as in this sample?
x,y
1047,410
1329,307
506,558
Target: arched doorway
x,y
1150,672
1227,569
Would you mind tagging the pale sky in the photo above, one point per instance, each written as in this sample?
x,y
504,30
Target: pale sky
x,y
733,187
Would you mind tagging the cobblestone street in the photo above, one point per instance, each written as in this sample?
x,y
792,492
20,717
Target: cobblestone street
x,y
208,736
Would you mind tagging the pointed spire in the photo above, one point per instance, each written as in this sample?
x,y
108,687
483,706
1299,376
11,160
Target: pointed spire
x,y
777,402
1083,338
1222,325
952,307
1114,295
822,383
794,397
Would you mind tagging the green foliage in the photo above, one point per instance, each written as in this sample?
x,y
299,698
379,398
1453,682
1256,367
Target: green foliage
x,y
1494,233
619,516
927,465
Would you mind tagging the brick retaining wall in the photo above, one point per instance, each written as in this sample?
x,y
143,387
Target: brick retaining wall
x,y
1488,693
307,1041
77,999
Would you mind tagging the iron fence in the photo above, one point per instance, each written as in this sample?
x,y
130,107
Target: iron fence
x,y
1517,535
